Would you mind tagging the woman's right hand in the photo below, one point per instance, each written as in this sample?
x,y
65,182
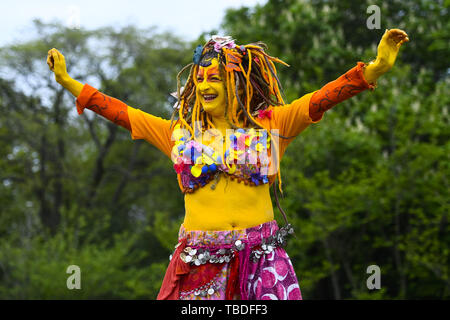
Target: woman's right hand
x,y
57,63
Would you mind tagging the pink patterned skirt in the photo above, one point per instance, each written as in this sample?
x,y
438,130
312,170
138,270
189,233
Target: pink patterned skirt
x,y
248,264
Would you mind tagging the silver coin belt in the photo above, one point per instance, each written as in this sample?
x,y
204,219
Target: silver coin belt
x,y
279,239
199,256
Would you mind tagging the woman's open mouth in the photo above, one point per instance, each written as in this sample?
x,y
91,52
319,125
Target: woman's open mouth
x,y
209,97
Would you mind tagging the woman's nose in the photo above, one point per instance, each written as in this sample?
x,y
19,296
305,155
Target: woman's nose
x,y
203,85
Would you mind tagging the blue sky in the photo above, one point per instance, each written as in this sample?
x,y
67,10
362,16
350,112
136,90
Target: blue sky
x,y
187,18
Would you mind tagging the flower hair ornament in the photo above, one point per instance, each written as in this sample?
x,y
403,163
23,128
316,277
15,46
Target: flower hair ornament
x,y
220,42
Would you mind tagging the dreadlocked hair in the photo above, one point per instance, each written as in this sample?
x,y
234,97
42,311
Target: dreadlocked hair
x,y
251,83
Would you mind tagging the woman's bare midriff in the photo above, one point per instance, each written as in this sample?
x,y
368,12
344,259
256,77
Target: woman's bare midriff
x,y
230,206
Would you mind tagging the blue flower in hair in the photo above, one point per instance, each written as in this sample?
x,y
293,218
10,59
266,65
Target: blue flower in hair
x,y
197,54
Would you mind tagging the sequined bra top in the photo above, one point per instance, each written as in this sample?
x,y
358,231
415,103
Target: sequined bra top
x,y
246,158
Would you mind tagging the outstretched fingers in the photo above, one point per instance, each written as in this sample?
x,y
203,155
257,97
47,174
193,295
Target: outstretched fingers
x,y
398,36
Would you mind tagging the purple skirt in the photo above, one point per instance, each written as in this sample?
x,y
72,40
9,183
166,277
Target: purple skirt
x,y
264,270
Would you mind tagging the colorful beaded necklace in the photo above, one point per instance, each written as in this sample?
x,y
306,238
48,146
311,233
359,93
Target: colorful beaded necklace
x,y
246,158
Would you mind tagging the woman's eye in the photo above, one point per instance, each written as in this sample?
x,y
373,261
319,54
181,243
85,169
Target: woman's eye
x,y
199,79
215,78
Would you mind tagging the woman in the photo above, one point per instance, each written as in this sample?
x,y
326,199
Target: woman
x,y
229,245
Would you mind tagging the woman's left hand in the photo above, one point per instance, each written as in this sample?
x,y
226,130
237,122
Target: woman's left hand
x,y
386,54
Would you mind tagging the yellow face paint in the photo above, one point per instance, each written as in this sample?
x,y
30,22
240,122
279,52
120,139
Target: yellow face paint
x,y
211,89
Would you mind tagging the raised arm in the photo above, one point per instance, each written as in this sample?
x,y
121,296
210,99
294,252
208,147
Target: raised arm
x,y
142,125
87,96
293,118
361,77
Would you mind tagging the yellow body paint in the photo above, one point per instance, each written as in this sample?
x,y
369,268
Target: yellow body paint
x,y
232,204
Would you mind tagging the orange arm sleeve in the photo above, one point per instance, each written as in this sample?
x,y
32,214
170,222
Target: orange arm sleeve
x,y
155,130
108,107
344,87
142,125
286,122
